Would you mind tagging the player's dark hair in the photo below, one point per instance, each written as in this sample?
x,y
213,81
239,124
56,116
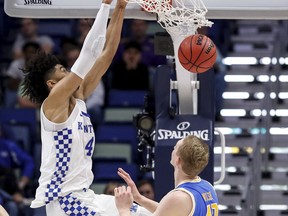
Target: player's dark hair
x,y
36,73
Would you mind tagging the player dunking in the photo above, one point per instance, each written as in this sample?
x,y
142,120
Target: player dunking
x,y
191,196
66,131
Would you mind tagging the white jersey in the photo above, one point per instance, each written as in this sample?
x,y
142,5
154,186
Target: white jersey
x,y
67,149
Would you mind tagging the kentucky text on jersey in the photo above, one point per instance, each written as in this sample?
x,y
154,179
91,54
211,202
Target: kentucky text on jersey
x,y
85,128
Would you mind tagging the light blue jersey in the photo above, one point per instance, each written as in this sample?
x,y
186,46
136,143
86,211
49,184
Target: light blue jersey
x,y
203,195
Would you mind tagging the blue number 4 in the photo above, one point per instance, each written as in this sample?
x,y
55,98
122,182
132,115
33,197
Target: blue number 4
x,y
89,147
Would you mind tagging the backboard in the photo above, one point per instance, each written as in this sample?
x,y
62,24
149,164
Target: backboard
x,y
217,9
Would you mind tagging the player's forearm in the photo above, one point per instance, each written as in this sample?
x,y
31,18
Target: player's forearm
x,y
148,204
114,30
93,43
113,37
95,39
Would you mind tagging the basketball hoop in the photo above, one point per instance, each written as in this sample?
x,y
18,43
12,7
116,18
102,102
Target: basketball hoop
x,y
180,21
176,17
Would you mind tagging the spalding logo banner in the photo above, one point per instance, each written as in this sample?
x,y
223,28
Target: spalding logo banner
x,y
169,131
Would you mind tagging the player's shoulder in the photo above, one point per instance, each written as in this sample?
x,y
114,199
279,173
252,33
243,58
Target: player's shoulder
x,y
177,196
175,203
205,182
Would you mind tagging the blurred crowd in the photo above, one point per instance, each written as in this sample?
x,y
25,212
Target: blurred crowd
x,y
132,69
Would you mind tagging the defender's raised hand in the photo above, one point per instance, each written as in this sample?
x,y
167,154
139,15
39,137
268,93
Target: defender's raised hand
x,y
126,177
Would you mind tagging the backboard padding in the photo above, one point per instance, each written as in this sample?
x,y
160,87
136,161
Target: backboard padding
x,y
217,9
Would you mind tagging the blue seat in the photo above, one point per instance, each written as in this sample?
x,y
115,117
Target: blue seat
x,y
107,171
126,98
20,116
118,133
20,134
10,98
20,124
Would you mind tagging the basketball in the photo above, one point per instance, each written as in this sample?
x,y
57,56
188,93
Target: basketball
x,y
197,53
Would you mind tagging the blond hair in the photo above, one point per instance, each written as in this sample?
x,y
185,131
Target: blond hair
x,y
194,154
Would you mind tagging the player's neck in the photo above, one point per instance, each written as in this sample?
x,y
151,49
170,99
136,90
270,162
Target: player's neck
x,y
180,176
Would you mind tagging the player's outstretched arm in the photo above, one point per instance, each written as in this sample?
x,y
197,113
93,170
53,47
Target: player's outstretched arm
x,y
61,93
102,63
94,42
148,204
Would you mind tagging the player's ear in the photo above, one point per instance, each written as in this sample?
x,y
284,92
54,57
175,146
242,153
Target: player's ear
x,y
178,160
50,84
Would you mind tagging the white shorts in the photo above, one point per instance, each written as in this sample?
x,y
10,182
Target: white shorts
x,y
88,203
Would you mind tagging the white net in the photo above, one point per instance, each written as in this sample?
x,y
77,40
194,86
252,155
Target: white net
x,y
180,17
